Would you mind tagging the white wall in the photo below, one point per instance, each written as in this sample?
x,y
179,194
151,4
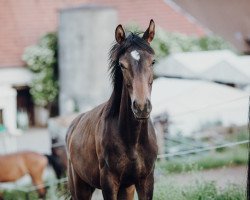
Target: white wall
x,y
9,106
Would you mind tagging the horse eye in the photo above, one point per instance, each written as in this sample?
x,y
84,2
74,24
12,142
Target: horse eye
x,y
129,85
153,62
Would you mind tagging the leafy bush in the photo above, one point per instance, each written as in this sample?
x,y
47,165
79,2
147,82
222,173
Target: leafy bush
x,y
41,59
165,43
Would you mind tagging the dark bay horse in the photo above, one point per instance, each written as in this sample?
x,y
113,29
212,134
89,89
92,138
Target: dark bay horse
x,y
113,147
16,165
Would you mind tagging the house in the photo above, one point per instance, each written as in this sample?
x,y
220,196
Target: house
x,y
24,22
227,18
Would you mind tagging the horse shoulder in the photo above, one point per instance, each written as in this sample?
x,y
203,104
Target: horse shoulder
x,y
83,123
71,129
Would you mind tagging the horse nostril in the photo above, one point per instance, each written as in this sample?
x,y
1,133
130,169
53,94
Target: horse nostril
x,y
134,104
149,106
135,108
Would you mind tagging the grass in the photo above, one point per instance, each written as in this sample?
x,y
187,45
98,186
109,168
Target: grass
x,y
54,193
228,157
18,195
165,190
198,191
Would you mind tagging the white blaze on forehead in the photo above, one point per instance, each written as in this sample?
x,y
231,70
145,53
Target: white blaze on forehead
x,y
135,54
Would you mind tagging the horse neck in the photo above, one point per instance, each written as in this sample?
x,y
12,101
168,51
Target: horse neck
x,y
132,131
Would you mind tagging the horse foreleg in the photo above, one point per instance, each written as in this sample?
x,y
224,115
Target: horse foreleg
x,y
145,187
79,189
110,185
126,193
38,181
36,172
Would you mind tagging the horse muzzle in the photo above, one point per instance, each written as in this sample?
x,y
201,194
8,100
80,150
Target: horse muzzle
x,y
141,111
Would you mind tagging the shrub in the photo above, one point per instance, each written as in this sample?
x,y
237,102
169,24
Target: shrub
x,y
165,43
41,59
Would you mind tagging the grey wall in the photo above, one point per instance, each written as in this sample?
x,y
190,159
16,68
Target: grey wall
x,y
85,37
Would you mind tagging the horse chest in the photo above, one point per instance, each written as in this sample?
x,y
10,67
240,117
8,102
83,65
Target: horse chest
x,y
130,165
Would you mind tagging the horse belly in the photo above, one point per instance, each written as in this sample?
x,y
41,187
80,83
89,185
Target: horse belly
x,y
92,174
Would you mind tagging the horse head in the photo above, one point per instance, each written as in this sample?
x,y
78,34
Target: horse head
x,y
135,61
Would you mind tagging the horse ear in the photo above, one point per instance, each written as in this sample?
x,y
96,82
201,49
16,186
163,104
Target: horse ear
x,y
119,34
150,32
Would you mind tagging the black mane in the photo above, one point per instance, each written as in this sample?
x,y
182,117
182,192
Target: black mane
x,y
132,41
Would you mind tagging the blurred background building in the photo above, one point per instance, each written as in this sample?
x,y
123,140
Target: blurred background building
x,y
229,19
74,36
26,21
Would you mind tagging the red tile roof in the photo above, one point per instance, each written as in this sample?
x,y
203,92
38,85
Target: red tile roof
x,y
24,21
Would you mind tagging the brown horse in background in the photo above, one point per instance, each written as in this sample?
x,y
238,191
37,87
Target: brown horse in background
x,y
14,166
113,147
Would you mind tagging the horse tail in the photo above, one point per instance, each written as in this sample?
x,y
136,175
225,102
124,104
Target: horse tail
x,y
56,164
